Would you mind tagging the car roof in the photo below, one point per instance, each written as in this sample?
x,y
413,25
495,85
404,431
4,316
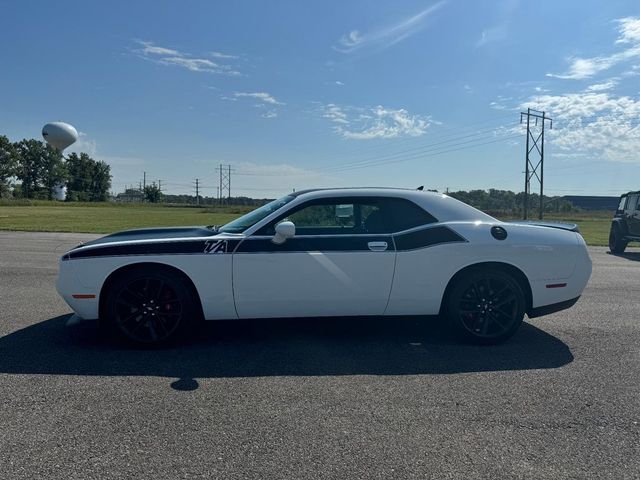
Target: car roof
x,y
441,206
351,190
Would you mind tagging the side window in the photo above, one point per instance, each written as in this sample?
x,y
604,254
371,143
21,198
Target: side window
x,y
324,219
631,202
404,214
354,216
623,203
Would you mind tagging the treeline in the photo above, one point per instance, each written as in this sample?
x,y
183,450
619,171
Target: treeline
x,y
32,169
508,202
153,194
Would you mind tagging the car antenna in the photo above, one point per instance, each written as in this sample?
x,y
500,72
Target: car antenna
x,y
421,187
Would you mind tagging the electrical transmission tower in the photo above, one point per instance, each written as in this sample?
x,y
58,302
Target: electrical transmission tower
x,y
197,191
534,164
225,183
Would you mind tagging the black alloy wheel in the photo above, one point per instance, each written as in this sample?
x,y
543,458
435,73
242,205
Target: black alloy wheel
x,y
486,306
149,307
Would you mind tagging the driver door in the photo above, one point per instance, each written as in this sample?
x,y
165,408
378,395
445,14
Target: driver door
x,y
633,215
332,266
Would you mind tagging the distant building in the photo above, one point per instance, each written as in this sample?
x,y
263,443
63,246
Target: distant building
x,y
593,202
130,195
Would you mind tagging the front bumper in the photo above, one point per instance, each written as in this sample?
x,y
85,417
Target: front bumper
x,y
86,301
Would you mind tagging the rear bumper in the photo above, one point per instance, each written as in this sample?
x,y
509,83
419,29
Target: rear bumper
x,y
553,308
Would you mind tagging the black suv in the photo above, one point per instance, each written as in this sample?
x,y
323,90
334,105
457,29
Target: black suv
x,y
625,226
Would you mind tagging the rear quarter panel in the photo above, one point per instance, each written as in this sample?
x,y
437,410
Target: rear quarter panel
x,y
544,255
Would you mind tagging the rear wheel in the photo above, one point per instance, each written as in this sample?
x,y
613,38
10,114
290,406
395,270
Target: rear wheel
x,y
486,306
149,307
617,243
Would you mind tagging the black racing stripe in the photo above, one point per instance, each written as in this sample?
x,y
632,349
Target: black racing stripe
x,y
183,247
318,244
426,238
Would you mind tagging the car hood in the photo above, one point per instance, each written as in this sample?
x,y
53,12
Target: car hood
x,y
152,234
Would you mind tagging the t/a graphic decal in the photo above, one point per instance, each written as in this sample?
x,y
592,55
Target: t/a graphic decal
x,y
215,246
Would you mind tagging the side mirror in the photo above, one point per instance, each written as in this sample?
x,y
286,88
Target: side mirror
x,y
284,230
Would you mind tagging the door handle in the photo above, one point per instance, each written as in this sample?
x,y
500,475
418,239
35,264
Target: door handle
x,y
377,246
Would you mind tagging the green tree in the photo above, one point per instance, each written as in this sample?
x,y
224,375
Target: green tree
x,y
7,165
40,168
80,168
89,180
152,193
101,181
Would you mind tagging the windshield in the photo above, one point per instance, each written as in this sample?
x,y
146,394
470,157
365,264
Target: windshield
x,y
239,225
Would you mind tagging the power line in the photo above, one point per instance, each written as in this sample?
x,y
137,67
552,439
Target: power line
x,y
436,148
428,153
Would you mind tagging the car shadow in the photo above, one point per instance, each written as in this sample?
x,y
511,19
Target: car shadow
x,y
634,256
309,347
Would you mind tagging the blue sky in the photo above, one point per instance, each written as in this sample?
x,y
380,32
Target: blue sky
x,y
305,94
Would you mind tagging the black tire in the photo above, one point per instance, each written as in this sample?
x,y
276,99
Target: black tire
x,y
486,306
149,307
617,243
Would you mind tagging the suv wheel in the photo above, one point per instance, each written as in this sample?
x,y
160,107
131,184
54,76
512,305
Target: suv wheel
x,y
617,243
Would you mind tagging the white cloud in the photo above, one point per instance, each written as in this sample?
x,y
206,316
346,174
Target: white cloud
x,y
629,30
596,123
84,144
262,96
335,113
150,49
270,114
378,122
600,87
581,68
223,55
497,106
168,56
386,36
339,83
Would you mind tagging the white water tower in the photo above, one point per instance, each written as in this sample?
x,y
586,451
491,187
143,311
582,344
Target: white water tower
x,y
59,135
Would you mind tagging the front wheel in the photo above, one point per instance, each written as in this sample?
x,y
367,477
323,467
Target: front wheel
x,y
486,306
149,307
617,244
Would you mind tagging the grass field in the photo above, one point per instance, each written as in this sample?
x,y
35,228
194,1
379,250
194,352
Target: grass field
x,y
110,217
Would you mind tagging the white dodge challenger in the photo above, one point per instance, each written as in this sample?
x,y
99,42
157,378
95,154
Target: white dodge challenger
x,y
330,252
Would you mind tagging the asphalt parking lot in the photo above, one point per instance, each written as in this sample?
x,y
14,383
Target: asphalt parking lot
x,y
341,398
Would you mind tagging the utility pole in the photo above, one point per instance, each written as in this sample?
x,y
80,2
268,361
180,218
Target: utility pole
x,y
144,185
225,183
534,164
197,191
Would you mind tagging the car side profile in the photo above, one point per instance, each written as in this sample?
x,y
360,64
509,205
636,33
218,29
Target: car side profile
x,y
330,252
625,226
